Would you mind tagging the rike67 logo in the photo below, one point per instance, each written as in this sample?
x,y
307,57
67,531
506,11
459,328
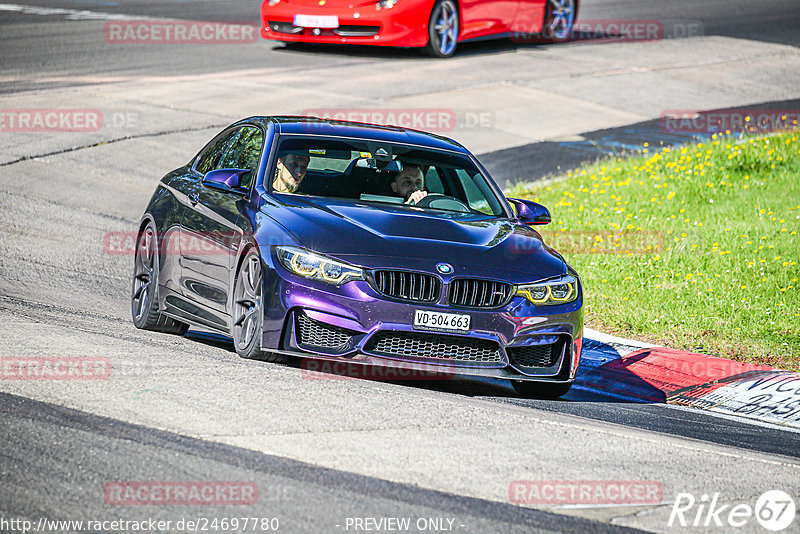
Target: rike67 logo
x,y
774,510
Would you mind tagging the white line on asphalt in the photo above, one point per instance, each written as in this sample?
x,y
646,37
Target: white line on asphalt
x,y
691,409
70,14
738,418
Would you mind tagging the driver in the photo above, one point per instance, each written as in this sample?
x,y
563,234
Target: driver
x,y
409,184
290,171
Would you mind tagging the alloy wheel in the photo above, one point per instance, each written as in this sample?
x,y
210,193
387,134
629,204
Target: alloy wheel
x,y
445,28
144,267
247,302
561,20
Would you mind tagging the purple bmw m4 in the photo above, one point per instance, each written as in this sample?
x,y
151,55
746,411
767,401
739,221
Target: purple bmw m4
x,y
369,244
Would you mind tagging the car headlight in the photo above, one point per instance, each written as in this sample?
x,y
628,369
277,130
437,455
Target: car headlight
x,y
385,4
318,267
560,291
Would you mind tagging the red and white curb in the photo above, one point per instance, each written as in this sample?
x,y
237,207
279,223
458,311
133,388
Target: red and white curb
x,y
641,372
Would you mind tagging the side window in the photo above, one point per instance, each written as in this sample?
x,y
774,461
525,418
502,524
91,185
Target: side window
x,y
244,151
433,182
208,160
475,197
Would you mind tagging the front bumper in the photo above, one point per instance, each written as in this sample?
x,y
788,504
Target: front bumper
x,y
361,24
354,323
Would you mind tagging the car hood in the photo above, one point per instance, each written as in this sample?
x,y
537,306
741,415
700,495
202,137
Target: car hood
x,y
402,237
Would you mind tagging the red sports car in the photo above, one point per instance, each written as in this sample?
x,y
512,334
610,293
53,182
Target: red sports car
x,y
436,25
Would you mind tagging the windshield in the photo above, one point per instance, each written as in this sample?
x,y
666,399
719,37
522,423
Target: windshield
x,y
380,172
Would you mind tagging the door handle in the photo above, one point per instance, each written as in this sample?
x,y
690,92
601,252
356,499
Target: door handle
x,y
194,198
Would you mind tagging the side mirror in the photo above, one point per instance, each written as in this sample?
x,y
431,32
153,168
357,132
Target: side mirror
x,y
529,212
226,180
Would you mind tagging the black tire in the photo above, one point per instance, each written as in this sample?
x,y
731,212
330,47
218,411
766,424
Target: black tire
x,y
559,20
248,310
443,28
144,290
541,390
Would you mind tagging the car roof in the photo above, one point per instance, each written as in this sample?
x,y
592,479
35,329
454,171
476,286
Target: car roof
x,y
289,124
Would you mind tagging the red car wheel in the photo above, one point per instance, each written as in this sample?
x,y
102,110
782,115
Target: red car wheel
x,y
559,20
443,29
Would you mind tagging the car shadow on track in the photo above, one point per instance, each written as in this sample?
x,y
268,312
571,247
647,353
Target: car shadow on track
x,y
388,52
602,377
466,49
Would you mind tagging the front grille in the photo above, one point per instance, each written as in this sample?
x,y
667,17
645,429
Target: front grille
x,y
433,346
405,285
473,293
545,355
284,27
346,30
356,31
313,334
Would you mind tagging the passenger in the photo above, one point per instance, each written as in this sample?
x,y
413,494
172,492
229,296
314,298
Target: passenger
x,y
409,184
290,171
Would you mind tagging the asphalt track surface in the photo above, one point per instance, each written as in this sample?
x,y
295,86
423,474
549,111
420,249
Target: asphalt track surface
x,y
26,38
304,498
56,459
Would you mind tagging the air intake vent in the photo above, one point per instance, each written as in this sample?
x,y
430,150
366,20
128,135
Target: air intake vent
x,y
472,293
535,356
405,285
433,346
315,335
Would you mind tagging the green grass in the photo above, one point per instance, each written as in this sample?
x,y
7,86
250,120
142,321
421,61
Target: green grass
x,y
694,247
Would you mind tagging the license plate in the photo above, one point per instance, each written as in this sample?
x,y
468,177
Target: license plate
x,y
316,21
441,322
